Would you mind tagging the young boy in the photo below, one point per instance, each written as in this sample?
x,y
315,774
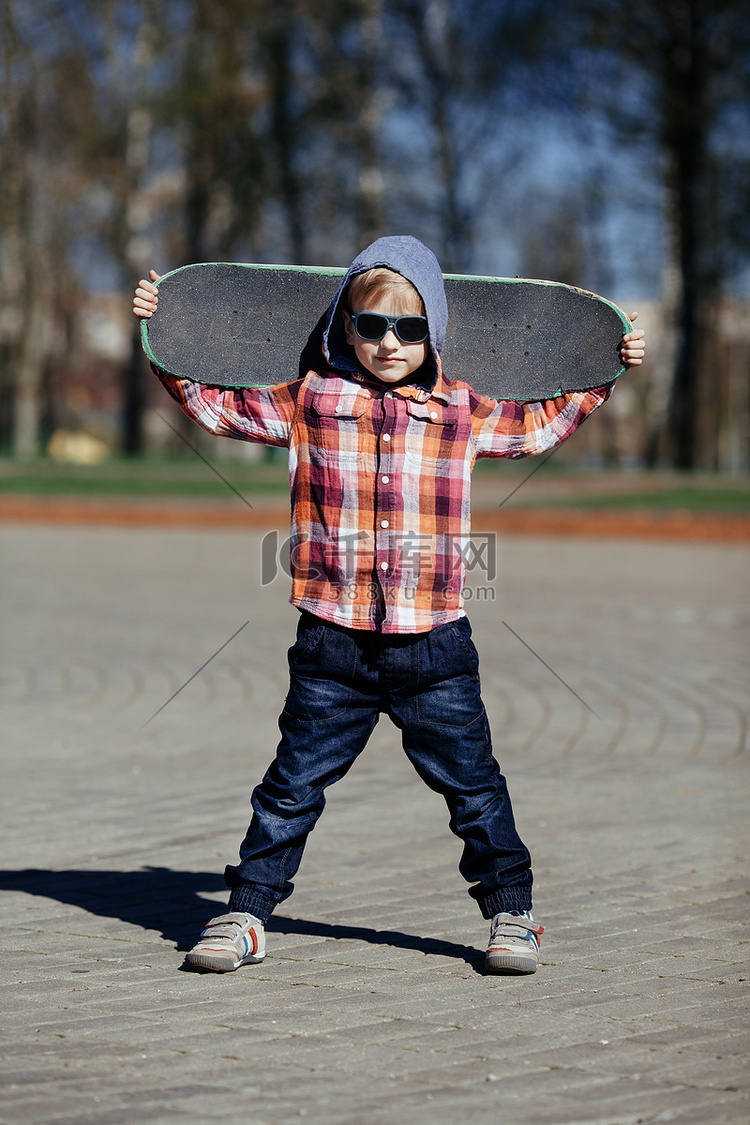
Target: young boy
x,y
381,448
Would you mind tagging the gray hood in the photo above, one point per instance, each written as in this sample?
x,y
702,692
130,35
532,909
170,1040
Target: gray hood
x,y
413,260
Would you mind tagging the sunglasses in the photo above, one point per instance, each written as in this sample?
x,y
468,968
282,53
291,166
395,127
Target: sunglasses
x,y
373,327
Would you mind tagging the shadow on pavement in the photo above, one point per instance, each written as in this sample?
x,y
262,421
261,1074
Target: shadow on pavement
x,y
277,923
170,902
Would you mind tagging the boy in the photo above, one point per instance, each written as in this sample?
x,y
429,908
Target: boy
x,y
381,448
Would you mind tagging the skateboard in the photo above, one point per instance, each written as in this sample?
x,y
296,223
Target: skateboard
x,y
234,325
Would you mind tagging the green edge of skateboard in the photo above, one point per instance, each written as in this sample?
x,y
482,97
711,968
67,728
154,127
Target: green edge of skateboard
x,y
338,272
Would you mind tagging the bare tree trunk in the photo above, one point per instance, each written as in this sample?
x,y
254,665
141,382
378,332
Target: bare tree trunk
x,y
685,137
33,277
430,24
369,195
24,229
284,130
30,371
137,156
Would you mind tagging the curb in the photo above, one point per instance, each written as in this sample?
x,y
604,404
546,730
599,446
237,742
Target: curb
x,y
640,523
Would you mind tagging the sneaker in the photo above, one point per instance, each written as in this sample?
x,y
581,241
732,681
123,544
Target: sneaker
x,y
514,944
227,942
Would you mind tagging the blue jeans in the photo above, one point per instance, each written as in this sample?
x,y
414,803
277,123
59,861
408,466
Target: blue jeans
x,y
428,684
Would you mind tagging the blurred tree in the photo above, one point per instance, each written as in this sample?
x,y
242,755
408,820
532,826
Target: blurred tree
x,y
464,72
286,127
675,75
112,149
215,104
137,133
317,132
275,107
22,299
45,110
342,46
134,212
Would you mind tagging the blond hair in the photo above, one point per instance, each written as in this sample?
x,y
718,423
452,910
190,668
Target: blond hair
x,y
368,287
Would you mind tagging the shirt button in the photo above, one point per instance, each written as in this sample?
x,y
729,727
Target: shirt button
x,y
384,523
338,409
385,479
433,413
384,566
386,437
388,394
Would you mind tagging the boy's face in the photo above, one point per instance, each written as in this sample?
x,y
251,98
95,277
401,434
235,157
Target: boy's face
x,y
389,360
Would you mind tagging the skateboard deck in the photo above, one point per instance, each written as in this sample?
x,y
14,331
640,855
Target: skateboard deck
x,y
233,325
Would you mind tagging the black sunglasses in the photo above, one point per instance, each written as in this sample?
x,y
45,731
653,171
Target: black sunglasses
x,y
373,327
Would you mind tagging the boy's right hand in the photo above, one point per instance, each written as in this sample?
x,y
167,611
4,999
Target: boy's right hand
x,y
146,296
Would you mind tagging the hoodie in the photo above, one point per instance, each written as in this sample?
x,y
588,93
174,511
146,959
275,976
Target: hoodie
x,y
408,256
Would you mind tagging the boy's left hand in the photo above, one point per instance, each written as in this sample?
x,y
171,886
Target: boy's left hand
x,y
633,347
146,296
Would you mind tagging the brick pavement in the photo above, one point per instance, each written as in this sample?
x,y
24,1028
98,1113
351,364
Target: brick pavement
x,y
371,1006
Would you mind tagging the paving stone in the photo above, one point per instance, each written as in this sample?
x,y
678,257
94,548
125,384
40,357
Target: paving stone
x,y
371,1006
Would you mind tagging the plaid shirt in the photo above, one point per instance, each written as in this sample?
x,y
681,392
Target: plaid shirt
x,y
380,482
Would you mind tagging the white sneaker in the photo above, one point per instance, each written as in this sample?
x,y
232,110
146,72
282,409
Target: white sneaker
x,y
514,944
227,942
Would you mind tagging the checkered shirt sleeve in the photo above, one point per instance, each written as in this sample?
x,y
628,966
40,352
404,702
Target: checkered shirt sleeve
x,y
513,429
261,415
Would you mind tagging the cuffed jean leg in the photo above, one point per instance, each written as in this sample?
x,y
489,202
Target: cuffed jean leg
x,y
329,714
446,736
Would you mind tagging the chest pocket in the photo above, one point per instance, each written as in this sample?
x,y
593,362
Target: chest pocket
x,y
335,422
431,430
